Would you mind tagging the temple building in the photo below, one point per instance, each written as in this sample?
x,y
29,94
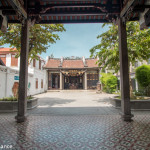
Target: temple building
x,y
72,73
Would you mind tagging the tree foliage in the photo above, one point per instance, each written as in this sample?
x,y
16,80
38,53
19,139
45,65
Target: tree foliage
x,y
107,51
40,37
143,75
109,82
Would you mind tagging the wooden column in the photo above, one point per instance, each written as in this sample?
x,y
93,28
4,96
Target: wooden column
x,y
61,87
85,80
124,72
23,74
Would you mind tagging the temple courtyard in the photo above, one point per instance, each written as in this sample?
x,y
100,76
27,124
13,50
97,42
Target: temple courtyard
x,y
75,120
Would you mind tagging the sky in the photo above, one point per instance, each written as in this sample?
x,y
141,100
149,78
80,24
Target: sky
x,y
77,40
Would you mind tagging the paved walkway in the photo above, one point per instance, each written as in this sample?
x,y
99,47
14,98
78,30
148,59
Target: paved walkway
x,y
75,120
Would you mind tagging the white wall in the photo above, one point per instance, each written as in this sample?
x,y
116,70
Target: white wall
x,y
38,74
8,59
7,81
3,72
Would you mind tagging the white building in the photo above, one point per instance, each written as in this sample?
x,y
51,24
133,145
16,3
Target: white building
x,y
9,74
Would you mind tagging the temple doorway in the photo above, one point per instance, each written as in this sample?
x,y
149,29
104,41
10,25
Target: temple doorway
x,y
73,82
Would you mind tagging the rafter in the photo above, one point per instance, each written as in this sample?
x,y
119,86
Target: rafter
x,y
18,7
126,8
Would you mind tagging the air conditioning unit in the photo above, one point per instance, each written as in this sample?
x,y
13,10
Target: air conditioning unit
x,y
3,22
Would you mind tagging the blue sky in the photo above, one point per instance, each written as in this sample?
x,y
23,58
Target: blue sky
x,y
76,41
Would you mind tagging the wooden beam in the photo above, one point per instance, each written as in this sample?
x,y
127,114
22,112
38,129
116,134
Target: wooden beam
x,y
76,13
68,0
72,21
126,7
76,5
18,7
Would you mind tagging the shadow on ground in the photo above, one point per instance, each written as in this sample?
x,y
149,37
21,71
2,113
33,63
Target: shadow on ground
x,y
50,102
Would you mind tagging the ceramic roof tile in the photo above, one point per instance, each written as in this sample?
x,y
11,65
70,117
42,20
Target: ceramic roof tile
x,y
52,63
91,63
72,64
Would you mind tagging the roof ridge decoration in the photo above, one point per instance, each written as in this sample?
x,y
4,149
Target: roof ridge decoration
x,y
84,62
61,62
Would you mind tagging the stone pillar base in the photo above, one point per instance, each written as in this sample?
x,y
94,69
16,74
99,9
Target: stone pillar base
x,y
98,92
125,117
20,119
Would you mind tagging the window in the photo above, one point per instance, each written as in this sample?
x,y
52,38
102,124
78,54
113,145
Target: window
x,y
40,64
3,58
34,63
14,61
36,83
149,61
136,64
42,83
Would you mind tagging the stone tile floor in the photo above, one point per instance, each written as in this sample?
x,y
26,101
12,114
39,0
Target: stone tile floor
x,y
77,132
75,121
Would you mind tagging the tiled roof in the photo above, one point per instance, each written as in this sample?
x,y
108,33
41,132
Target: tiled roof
x,y
52,63
7,50
91,63
73,64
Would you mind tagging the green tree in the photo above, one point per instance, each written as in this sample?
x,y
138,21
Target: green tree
x,y
107,51
40,37
143,77
109,82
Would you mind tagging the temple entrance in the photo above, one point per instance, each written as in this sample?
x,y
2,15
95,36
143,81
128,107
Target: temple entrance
x,y
54,81
73,82
73,79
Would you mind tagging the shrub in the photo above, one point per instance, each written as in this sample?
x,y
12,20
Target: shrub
x,y
8,99
13,98
109,82
142,74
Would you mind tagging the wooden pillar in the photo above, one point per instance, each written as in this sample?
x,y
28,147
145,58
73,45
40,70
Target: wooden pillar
x,y
61,87
124,72
85,80
23,74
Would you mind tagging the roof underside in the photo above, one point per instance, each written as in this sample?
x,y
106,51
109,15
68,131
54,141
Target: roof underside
x,y
67,11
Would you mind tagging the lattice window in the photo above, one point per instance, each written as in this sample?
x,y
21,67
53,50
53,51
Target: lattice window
x,y
14,61
36,83
34,63
42,83
40,64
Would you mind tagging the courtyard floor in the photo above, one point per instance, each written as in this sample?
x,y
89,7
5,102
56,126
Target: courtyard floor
x,y
75,120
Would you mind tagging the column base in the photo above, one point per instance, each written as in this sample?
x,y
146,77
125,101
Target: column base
x,y
126,117
20,119
98,92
